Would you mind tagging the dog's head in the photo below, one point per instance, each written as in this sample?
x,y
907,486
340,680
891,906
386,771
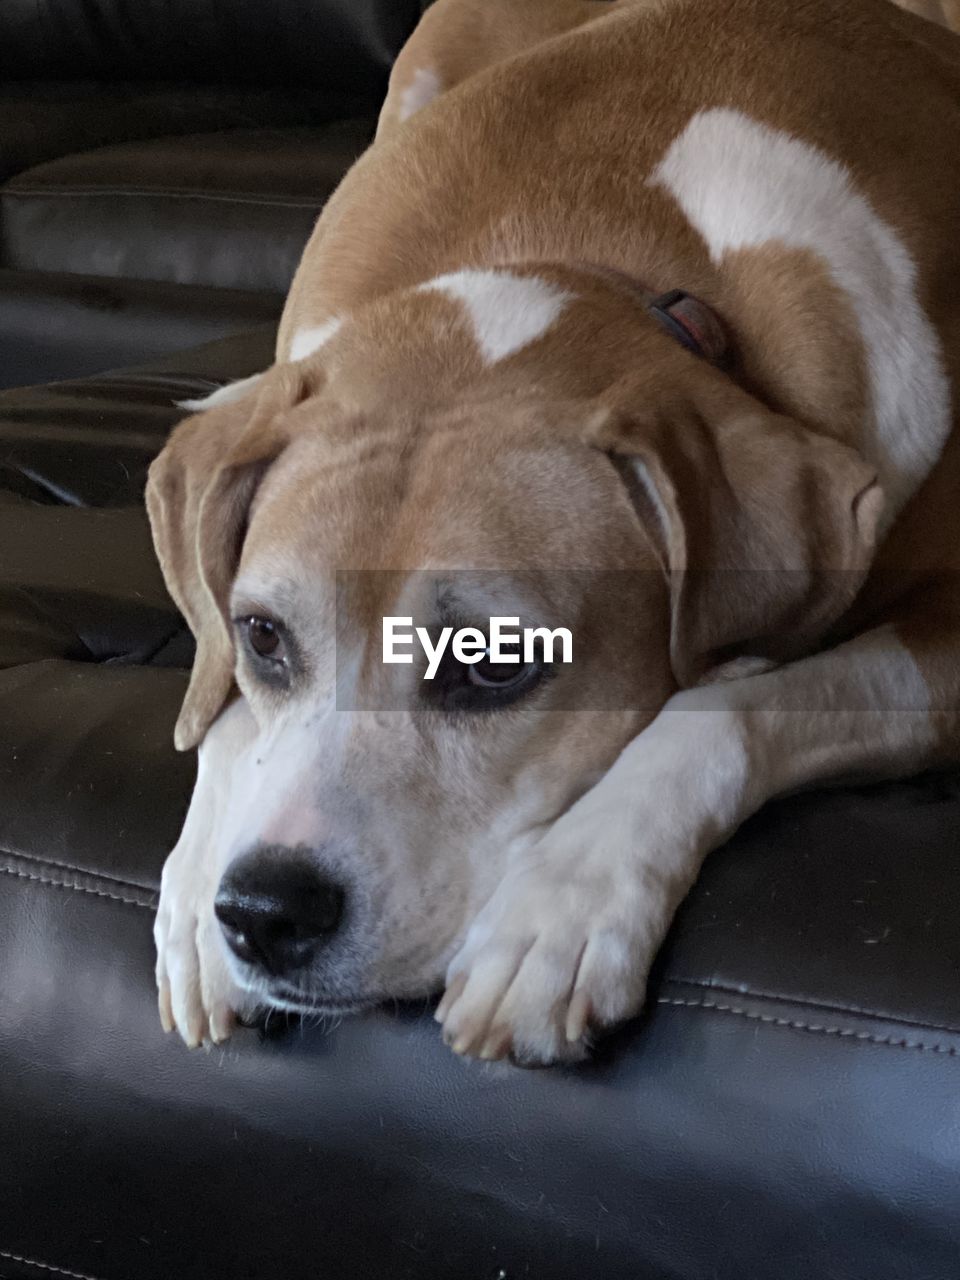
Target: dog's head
x,y
594,476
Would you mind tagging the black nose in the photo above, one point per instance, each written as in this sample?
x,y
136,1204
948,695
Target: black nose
x,y
276,908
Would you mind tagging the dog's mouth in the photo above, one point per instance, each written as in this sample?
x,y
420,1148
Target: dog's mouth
x,y
291,999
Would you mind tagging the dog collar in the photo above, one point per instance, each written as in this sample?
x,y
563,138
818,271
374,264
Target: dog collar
x,y
695,325
692,322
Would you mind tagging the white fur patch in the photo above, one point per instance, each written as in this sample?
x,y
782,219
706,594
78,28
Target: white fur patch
x,y
422,89
507,311
742,185
223,395
307,341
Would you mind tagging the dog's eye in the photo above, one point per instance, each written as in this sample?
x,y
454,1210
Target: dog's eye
x,y
268,652
483,685
264,637
499,675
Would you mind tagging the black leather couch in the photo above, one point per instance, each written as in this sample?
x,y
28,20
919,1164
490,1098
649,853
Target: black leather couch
x,y
163,161
788,1108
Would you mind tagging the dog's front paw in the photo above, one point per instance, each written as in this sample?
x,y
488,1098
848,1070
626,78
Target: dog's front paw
x,y
196,993
560,950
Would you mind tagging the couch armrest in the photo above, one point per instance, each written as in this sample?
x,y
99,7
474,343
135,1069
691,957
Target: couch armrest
x,y
80,74
347,46
42,121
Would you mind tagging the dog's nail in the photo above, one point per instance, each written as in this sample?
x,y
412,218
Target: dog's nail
x,y
166,1011
578,1015
461,1045
195,1032
496,1046
221,1023
450,997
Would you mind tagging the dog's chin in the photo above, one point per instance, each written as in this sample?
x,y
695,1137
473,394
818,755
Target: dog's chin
x,y
292,999
330,1000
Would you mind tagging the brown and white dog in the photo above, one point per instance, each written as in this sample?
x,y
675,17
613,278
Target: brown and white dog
x,y
743,498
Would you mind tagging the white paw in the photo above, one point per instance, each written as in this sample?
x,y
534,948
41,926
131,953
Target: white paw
x,y
561,949
196,993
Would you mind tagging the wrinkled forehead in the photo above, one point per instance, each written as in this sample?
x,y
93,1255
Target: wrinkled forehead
x,y
448,528
463,495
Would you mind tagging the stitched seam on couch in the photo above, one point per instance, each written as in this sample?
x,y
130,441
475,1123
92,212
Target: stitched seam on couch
x,y
139,193
77,888
134,885
812,1028
709,1006
824,1007
147,903
45,1266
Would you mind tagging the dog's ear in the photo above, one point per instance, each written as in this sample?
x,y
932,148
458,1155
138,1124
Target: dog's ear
x,y
198,497
764,528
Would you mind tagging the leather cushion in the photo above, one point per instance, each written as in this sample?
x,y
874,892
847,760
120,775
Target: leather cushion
x,y
785,1110
66,326
342,44
231,209
40,121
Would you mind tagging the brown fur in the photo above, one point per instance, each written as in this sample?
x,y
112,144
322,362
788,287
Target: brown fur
x,y
453,211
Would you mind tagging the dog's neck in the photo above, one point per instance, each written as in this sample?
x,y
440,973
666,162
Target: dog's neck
x,y
587,331
571,332
759,320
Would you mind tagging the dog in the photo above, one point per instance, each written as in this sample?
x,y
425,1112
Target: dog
x,y
639,317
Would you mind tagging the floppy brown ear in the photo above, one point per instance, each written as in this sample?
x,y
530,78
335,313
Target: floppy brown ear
x,y
198,497
766,529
